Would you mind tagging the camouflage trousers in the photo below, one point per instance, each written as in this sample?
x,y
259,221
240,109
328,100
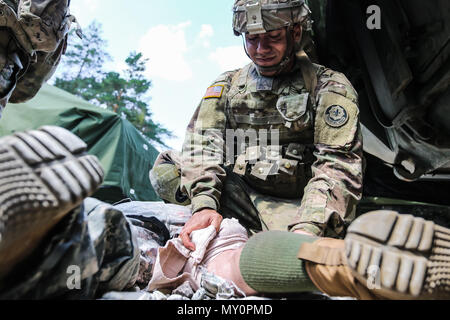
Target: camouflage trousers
x,y
254,210
93,250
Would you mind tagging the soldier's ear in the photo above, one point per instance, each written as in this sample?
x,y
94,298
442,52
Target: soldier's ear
x,y
297,32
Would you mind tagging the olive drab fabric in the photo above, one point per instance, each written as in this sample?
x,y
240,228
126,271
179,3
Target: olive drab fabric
x,y
123,152
38,30
309,145
283,272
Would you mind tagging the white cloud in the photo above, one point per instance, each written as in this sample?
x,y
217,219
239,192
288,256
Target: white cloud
x,y
166,46
229,58
84,10
206,32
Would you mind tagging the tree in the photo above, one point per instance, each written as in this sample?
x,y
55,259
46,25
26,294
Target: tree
x,y
126,93
85,57
127,96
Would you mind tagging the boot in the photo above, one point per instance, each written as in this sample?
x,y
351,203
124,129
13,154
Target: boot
x,y
385,255
44,174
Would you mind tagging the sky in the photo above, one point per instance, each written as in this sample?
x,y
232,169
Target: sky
x,y
188,44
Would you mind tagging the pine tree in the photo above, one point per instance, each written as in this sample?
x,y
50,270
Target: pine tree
x,y
126,95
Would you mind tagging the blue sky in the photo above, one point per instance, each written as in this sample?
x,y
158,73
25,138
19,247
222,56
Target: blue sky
x,y
188,43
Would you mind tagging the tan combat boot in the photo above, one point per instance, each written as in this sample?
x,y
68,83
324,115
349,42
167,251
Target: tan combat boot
x,y
385,255
44,174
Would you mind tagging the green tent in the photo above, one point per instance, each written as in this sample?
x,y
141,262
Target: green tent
x,y
123,152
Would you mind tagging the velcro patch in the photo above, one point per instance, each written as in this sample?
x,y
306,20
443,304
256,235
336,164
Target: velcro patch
x,y
336,120
214,91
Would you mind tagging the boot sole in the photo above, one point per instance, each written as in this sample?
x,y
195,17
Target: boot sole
x,y
400,255
44,174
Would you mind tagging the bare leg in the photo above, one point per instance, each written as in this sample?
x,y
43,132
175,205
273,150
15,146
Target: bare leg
x,y
269,260
226,265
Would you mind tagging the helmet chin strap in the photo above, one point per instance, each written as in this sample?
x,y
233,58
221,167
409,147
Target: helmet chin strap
x,y
287,59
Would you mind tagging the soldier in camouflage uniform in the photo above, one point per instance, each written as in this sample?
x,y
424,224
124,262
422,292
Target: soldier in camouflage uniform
x,y
303,172
45,235
314,155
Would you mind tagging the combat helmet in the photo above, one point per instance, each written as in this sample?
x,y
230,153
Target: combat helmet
x,y
38,30
261,16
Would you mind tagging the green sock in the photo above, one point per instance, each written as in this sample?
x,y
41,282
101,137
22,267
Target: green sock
x,y
269,263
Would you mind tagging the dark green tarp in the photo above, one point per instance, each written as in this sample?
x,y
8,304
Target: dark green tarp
x,y
124,153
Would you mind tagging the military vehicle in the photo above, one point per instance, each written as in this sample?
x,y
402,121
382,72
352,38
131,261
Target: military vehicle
x,y
396,54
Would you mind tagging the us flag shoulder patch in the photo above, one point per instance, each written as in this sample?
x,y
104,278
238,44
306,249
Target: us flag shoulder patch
x,y
214,91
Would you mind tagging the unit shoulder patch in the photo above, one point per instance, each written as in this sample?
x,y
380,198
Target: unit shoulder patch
x,y
336,121
215,91
336,116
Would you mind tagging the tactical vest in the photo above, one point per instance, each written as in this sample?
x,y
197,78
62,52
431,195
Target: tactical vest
x,y
280,107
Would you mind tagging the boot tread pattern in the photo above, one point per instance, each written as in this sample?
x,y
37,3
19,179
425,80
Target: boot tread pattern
x,y
43,174
401,253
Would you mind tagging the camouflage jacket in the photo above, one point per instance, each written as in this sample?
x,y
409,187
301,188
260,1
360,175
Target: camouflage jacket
x,y
282,140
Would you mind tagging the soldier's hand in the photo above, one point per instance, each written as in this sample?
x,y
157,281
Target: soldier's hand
x,y
200,220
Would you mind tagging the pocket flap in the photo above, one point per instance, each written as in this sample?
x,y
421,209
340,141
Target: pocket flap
x,y
293,107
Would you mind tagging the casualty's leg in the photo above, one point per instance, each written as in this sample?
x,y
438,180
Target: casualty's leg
x,y
401,256
226,265
384,256
268,263
44,174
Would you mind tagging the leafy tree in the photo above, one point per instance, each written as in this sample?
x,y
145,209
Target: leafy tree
x,y
126,93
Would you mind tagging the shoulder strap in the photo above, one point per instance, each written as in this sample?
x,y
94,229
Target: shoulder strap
x,y
309,73
238,79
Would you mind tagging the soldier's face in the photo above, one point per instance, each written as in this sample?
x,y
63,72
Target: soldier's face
x,y
7,66
269,49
